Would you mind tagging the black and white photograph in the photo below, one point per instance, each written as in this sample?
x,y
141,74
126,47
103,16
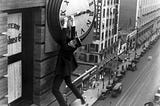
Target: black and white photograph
x,y
79,52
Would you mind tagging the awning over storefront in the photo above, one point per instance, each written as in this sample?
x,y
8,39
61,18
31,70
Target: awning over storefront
x,y
82,68
149,34
142,38
113,64
108,58
123,56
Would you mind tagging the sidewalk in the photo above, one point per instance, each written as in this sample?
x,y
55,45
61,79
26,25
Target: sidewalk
x,y
92,95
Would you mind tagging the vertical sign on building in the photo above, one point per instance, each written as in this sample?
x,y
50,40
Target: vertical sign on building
x,y
14,48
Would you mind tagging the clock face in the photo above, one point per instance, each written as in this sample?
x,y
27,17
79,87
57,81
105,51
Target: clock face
x,y
83,11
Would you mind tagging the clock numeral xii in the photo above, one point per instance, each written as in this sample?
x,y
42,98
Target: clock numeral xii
x,y
67,2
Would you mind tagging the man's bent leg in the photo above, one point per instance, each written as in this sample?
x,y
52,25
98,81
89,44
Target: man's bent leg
x,y
73,88
55,90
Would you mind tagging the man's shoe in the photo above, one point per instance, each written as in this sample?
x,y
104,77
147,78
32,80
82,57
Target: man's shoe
x,y
83,101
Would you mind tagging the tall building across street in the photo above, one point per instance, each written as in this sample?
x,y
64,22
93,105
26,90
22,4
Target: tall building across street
x,y
139,21
105,33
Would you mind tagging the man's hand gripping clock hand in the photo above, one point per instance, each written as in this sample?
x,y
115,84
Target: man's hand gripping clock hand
x,y
76,41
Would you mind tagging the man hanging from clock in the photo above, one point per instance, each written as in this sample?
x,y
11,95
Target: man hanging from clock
x,y
66,62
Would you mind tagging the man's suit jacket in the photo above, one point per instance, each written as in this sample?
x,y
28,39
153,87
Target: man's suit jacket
x,y
66,62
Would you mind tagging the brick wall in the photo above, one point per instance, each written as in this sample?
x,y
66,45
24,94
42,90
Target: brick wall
x,y
44,63
3,60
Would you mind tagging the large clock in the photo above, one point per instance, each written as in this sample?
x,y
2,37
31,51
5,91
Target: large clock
x,y
82,10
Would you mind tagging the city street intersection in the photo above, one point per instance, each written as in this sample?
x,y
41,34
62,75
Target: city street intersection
x,y
139,86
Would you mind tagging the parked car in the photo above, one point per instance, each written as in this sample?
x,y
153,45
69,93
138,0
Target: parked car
x,y
149,104
149,58
132,67
117,89
157,98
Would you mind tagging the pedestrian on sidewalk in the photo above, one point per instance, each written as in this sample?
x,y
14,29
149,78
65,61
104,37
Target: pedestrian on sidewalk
x,y
103,81
149,58
66,62
94,84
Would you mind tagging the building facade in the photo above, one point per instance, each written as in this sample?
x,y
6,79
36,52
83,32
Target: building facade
x,y
148,16
141,16
139,24
105,33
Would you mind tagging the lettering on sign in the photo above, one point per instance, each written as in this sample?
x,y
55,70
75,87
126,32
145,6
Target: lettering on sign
x,y
12,40
15,39
14,26
14,33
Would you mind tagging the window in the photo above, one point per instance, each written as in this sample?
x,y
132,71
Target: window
x,y
124,48
93,58
95,24
106,44
109,42
93,48
109,32
102,35
112,41
104,2
122,67
106,34
96,59
104,11
82,57
102,46
110,22
83,48
107,23
108,2
108,12
103,26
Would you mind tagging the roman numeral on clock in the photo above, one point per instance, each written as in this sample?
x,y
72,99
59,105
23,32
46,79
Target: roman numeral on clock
x,y
91,3
82,31
88,23
91,14
66,2
63,12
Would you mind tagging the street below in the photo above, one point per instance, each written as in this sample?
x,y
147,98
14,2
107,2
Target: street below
x,y
139,86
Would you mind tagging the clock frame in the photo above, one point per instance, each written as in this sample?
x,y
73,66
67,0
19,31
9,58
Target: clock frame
x,y
54,9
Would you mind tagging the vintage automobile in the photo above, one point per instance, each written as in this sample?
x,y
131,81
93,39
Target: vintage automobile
x,y
149,58
132,67
117,89
157,98
149,104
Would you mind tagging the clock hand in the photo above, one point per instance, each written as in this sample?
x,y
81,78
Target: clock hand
x,y
82,12
78,13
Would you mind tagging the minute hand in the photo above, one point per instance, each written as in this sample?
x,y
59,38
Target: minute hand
x,y
82,12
